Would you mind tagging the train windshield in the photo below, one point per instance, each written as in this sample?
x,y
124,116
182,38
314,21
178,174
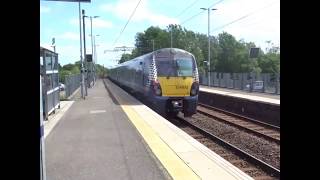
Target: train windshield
x,y
176,67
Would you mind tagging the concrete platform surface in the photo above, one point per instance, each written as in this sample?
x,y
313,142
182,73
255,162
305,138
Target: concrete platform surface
x,y
259,97
179,153
94,140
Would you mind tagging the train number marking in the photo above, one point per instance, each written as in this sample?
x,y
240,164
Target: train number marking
x,y
181,87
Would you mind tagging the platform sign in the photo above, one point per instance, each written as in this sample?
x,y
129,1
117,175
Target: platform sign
x,y
89,57
254,52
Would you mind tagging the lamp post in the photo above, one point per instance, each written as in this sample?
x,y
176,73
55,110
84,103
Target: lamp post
x,y
94,55
91,46
95,58
208,42
94,48
81,57
84,48
91,33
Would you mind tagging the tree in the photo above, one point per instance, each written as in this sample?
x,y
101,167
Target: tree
x,y
227,53
101,71
124,58
69,69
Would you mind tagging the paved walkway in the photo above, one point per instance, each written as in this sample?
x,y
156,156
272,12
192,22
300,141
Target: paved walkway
x,y
266,95
94,140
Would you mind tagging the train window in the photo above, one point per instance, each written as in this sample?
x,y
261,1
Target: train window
x,y
177,67
184,67
165,67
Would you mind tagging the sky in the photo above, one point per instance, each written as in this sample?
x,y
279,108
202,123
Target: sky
x,y
255,21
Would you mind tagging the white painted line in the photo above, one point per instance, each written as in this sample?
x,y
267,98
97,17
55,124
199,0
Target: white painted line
x,y
51,123
97,111
98,97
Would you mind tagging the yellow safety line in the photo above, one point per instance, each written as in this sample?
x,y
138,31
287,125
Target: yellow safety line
x,y
168,158
174,165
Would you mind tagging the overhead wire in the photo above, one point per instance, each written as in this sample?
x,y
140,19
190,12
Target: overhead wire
x,y
126,23
201,12
187,7
243,17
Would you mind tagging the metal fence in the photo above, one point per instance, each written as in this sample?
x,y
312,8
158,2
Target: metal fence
x,y
263,82
72,83
50,81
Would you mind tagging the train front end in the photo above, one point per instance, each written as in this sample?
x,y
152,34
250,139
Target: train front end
x,y
176,86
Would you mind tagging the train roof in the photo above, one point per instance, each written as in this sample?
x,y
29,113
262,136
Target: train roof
x,y
156,52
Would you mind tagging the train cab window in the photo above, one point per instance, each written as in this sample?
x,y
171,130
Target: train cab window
x,y
165,67
184,67
177,67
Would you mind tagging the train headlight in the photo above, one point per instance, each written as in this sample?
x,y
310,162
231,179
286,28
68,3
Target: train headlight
x,y
194,89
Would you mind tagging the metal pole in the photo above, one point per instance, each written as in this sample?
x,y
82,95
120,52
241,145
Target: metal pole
x,y
95,50
91,38
84,48
42,143
93,57
209,46
171,36
81,58
152,45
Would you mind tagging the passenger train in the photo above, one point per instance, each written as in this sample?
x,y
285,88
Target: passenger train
x,y
167,78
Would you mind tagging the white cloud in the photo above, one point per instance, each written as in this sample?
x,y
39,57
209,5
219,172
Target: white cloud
x,y
68,54
69,36
99,23
44,9
74,21
123,9
262,25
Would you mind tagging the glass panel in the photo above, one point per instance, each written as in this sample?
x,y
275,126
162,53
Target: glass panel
x,y
176,67
184,67
55,62
55,80
48,61
49,82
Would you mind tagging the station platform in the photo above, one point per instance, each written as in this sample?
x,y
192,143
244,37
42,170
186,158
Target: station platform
x,y
111,135
252,96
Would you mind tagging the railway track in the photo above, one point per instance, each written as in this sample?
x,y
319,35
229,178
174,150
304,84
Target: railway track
x,y
247,162
251,165
267,131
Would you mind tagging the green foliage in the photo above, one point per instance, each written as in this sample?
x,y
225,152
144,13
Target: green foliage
x,y
101,71
227,53
125,57
68,69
